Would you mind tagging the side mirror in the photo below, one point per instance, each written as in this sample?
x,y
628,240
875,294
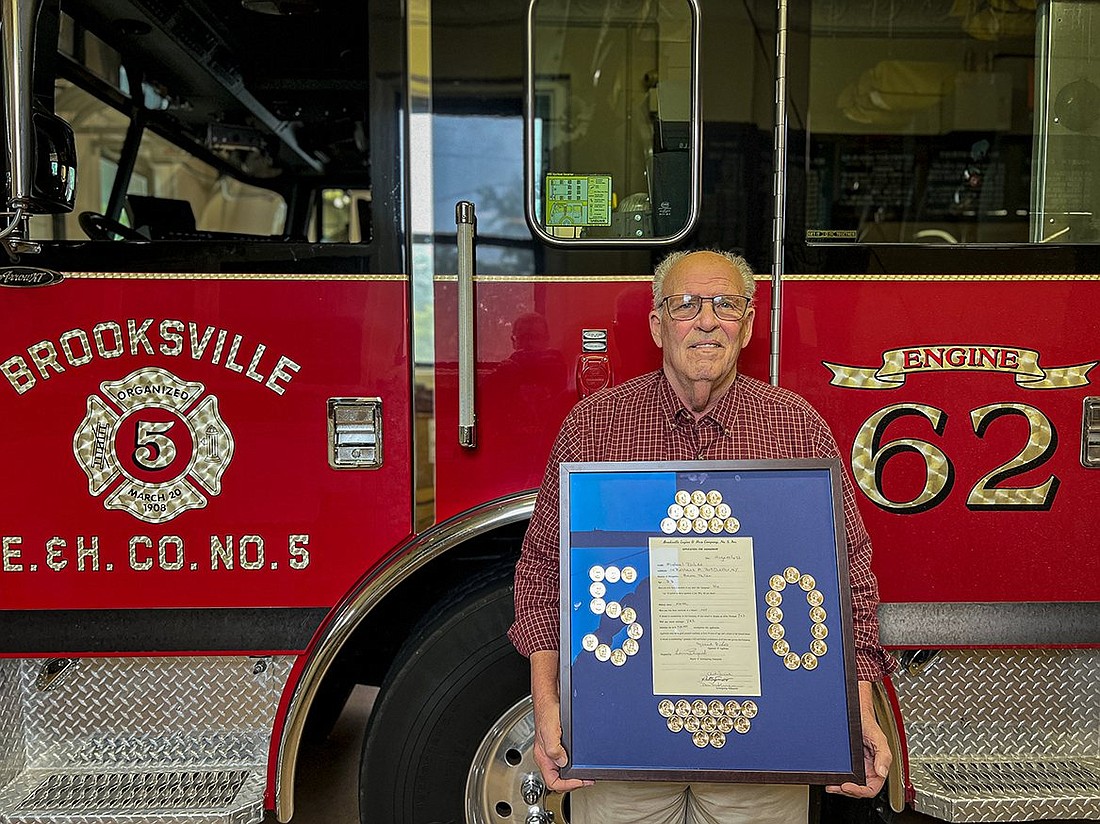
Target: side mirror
x,y
53,183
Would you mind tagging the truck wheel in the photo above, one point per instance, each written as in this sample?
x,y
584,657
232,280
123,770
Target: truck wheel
x,y
450,737
839,809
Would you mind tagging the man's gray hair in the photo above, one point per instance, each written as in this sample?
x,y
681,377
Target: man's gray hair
x,y
665,266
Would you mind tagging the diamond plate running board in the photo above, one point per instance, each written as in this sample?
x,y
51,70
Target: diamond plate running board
x,y
998,790
224,796
1004,735
165,740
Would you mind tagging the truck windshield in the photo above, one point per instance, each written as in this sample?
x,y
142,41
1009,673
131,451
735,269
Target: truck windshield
x,y
189,128
954,122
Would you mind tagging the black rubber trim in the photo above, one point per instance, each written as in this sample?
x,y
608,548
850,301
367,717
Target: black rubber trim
x,y
46,632
972,624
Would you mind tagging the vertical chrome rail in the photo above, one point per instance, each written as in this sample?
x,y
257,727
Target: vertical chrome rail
x,y
1043,35
466,222
17,25
779,187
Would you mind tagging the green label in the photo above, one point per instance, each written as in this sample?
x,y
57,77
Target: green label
x,y
578,200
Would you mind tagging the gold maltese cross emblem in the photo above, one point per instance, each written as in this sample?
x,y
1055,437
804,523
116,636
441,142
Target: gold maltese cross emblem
x,y
155,442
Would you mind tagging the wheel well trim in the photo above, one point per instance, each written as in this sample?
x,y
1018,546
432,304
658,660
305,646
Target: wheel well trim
x,y
888,713
410,557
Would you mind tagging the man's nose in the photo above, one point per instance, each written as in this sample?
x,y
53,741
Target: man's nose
x,y
706,319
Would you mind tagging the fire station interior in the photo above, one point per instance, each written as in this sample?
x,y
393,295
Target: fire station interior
x,y
212,134
254,125
238,122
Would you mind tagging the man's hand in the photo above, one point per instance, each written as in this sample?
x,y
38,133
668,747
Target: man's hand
x,y
876,751
550,755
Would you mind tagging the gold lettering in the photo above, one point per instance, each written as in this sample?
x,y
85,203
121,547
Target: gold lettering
x,y
145,563
87,553
54,559
252,541
279,373
12,554
221,553
299,551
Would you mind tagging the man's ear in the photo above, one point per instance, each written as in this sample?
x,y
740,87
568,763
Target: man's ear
x,y
655,327
746,326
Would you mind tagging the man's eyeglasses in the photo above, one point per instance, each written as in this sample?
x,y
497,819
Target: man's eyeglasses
x,y
688,307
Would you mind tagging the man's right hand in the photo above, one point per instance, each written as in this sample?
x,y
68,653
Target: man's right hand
x,y
550,755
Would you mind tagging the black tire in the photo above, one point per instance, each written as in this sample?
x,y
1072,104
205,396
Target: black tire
x,y
839,809
451,681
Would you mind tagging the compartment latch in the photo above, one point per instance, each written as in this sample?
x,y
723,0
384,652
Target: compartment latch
x,y
355,433
1090,434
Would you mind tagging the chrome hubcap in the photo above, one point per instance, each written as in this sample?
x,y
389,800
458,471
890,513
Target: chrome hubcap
x,y
503,771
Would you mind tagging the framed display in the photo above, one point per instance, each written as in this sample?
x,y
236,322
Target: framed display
x,y
706,629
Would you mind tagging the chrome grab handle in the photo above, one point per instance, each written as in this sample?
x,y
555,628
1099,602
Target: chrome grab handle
x,y
466,223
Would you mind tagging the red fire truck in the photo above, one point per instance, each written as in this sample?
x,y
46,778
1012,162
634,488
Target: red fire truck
x,y
297,293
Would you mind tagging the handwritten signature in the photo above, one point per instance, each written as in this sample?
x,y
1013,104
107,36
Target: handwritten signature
x,y
718,679
698,649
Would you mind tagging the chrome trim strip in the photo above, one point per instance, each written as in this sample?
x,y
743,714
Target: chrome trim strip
x,y
417,167
981,624
412,556
1043,31
888,723
779,189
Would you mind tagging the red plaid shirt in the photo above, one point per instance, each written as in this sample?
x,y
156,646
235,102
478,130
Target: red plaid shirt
x,y
643,420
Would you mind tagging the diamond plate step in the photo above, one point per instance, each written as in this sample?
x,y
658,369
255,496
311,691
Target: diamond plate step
x,y
174,740
201,796
1004,735
1023,790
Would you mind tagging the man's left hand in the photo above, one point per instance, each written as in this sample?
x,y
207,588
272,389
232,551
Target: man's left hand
x,y
876,751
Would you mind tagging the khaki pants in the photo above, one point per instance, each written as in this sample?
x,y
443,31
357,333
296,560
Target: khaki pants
x,y
659,802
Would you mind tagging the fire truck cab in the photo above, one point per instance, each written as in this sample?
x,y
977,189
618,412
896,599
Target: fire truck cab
x,y
298,292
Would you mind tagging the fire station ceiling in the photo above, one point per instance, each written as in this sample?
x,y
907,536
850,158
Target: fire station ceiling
x,y
268,85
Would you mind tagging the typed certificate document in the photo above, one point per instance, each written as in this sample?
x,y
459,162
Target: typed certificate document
x,y
703,613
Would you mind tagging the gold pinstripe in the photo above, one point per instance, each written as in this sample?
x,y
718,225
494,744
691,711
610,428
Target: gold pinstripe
x,y
550,278
991,276
290,276
287,276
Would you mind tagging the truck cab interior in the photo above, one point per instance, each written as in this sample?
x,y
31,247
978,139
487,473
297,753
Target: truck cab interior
x,y
209,121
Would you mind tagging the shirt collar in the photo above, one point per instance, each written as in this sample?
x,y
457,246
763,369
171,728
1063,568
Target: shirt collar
x,y
675,413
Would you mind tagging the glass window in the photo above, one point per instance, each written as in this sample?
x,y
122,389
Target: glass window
x,y
953,122
218,202
99,132
162,172
345,217
1066,183
612,120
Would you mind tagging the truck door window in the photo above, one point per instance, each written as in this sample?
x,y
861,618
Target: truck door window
x,y
99,131
218,202
947,122
612,121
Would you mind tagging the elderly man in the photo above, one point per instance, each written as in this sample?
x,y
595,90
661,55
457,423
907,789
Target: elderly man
x,y
696,407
